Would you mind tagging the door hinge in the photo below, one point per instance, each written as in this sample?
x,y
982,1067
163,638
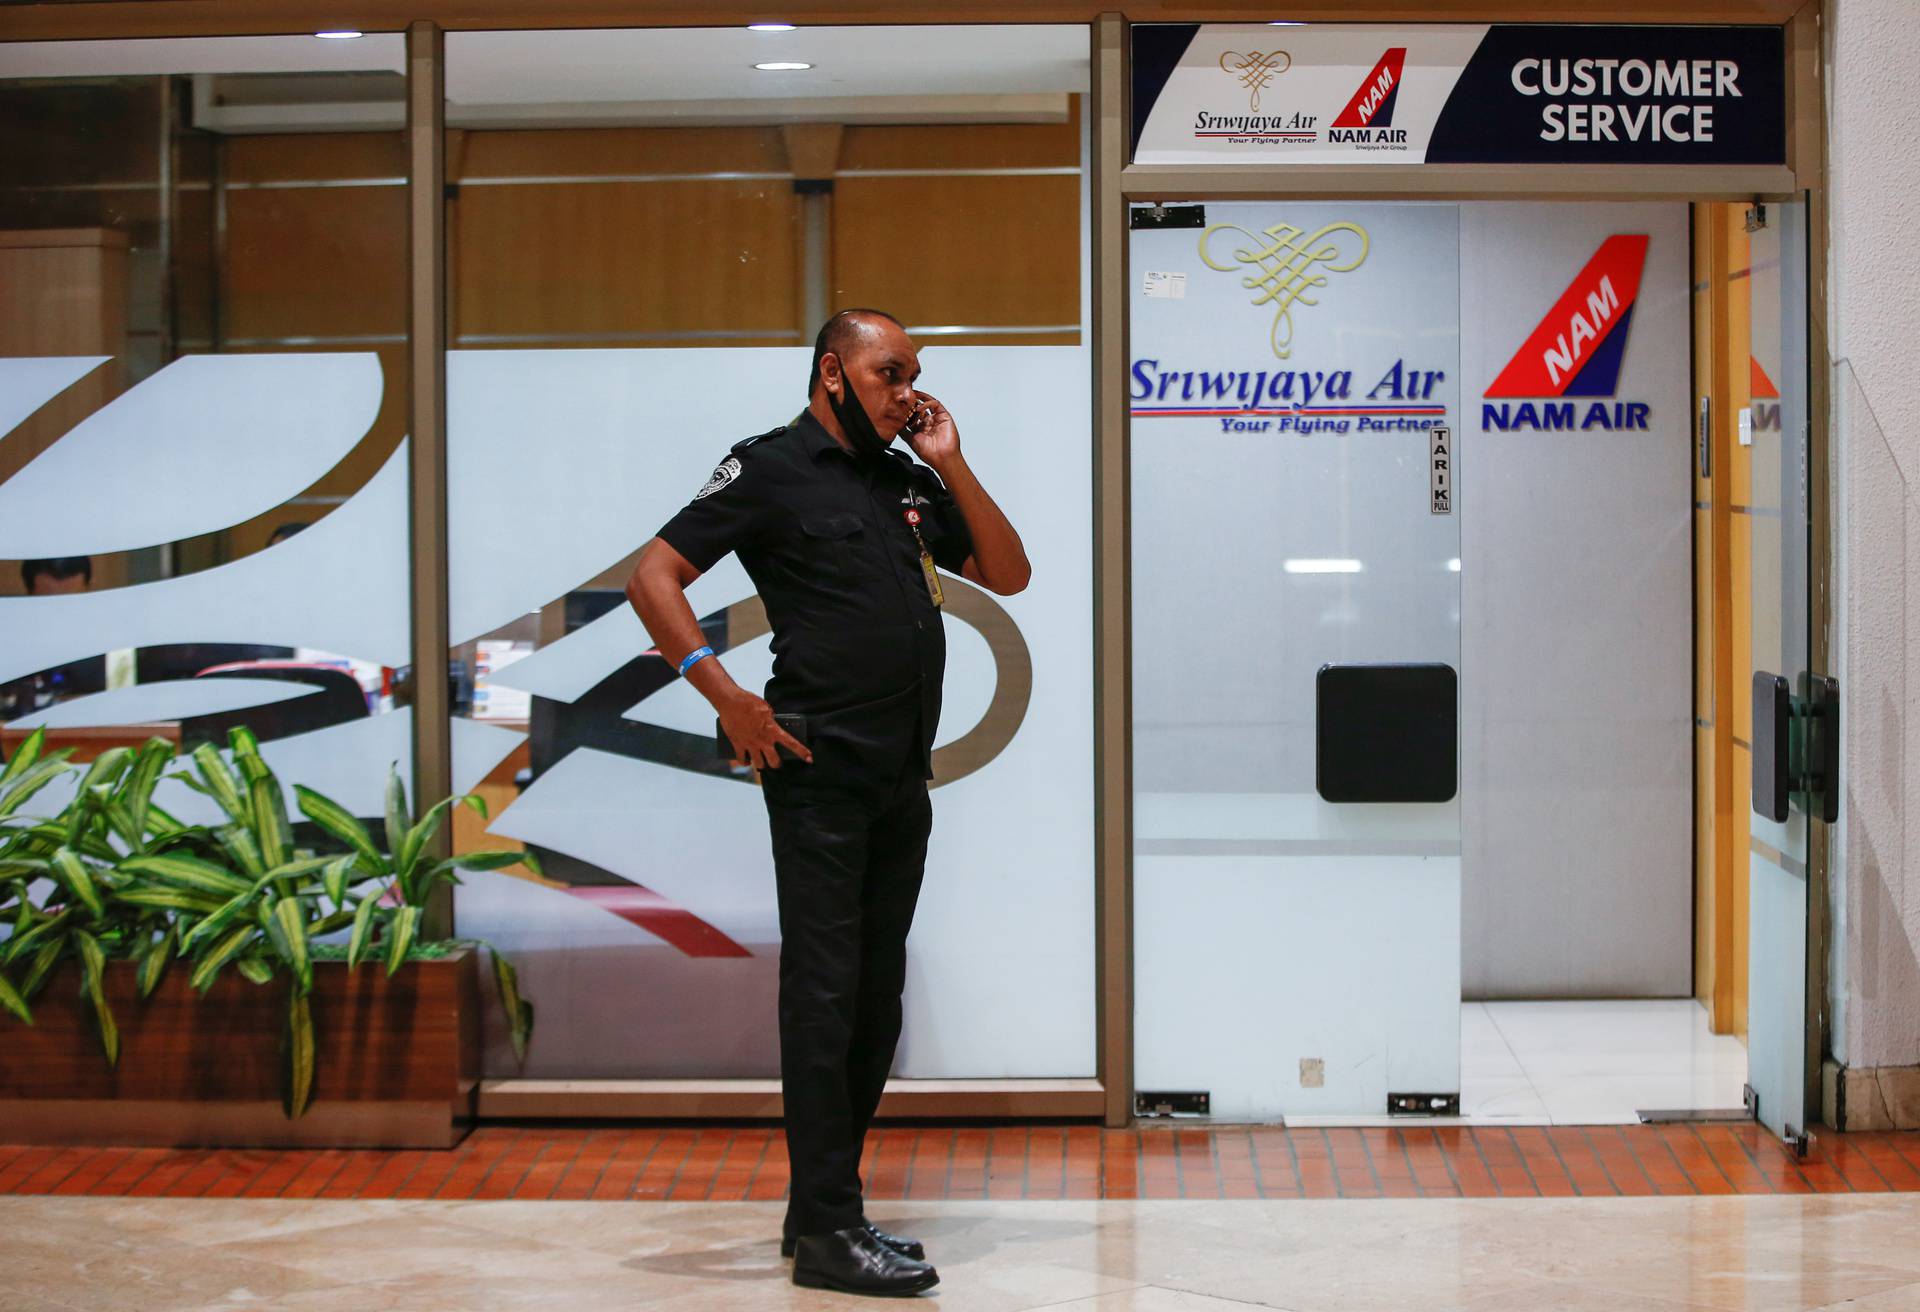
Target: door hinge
x,y
1796,746
1166,216
1180,1102
1423,1104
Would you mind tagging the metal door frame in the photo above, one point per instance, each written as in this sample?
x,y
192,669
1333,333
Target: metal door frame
x,y
1119,183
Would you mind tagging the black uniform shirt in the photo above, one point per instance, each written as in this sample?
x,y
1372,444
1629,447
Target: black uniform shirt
x,y
824,536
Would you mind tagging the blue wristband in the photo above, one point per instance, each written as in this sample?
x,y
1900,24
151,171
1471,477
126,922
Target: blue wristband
x,y
694,657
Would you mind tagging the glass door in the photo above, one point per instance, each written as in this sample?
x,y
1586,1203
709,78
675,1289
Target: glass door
x,y
1789,726
1296,640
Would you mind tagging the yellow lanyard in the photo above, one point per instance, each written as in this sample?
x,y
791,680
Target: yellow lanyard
x,y
926,558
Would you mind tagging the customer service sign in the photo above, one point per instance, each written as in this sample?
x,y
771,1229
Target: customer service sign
x,y
1270,93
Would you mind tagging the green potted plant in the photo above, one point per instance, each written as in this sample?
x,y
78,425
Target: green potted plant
x,y
135,899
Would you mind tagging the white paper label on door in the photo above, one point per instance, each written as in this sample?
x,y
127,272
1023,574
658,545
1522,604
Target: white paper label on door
x,y
1443,471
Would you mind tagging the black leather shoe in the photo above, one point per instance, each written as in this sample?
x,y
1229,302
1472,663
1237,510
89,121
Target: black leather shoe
x,y
900,1244
854,1262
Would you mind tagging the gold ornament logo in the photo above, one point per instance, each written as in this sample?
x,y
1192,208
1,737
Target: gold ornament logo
x,y
1285,266
1255,71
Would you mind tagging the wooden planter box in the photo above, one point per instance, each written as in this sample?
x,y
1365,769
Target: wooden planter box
x,y
398,1060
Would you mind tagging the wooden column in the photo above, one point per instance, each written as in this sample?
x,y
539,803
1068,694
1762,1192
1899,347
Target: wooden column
x,y
427,431
813,154
1112,591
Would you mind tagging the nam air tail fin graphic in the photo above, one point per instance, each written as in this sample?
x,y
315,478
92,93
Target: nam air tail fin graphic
x,y
1577,348
1372,104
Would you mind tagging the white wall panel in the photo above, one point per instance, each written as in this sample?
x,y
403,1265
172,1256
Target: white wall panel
x,y
1576,634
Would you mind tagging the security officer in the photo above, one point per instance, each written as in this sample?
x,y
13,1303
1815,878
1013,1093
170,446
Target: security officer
x,y
841,534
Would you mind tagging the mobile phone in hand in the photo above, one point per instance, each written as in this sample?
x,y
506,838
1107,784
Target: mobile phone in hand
x,y
793,724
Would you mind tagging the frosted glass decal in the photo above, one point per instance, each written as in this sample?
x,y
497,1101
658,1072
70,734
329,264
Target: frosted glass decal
x,y
340,586
647,821
970,679
636,818
27,384
208,442
680,706
569,668
565,669
1364,939
176,699
348,762
585,453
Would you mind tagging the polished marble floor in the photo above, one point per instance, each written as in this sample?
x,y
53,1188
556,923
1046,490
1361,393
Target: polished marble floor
x,y
1594,1063
1585,1062
1609,1255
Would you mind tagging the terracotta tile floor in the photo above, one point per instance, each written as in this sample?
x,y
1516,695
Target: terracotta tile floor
x,y
1011,1162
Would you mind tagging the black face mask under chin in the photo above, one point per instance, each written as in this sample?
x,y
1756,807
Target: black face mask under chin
x,y
867,442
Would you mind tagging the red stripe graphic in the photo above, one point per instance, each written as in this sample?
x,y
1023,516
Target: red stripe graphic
x,y
1375,92
661,918
1597,299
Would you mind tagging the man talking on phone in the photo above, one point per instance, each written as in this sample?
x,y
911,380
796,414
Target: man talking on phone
x,y
844,535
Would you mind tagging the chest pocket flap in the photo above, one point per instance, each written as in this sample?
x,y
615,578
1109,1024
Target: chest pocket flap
x,y
831,527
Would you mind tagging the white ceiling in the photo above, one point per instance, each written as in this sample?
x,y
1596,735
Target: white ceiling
x,y
552,68
717,63
377,52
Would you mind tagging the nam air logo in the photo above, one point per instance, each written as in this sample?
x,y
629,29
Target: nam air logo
x,y
1576,351
1766,398
1367,121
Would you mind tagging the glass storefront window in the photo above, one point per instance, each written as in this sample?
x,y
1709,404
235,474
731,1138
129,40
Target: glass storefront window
x,y
646,232
203,514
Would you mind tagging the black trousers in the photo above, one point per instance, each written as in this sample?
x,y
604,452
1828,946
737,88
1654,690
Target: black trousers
x,y
848,855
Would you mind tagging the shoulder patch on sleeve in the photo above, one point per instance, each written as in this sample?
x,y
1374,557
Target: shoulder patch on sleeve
x,y
728,470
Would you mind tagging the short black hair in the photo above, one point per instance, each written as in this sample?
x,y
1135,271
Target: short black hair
x,y
56,567
837,333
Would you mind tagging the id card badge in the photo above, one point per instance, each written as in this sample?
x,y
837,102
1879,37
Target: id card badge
x,y
933,578
926,561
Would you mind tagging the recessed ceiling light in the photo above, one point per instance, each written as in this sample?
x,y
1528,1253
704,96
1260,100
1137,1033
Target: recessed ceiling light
x,y
1321,566
769,27
1287,22
342,35
782,66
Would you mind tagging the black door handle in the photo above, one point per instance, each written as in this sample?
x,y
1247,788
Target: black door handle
x,y
1772,734
1796,746
1820,701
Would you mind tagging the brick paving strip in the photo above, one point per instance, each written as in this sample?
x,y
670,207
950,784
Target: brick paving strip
x,y
612,1162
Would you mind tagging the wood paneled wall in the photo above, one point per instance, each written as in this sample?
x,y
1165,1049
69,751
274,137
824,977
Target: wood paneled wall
x,y
63,292
1723,610
313,258
625,236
